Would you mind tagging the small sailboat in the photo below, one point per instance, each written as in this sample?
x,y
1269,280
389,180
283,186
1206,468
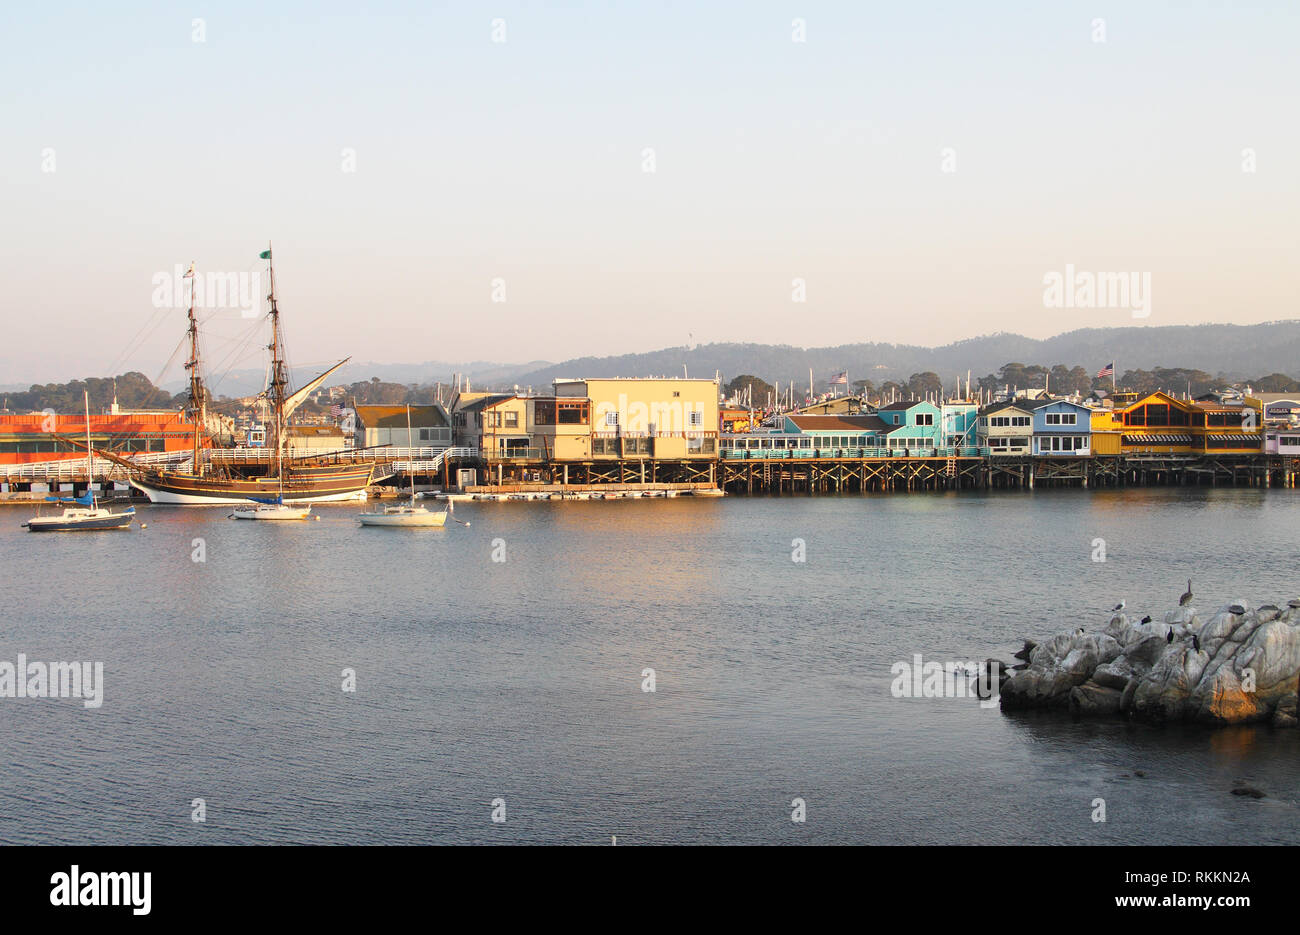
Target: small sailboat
x,y
409,513
87,515
272,508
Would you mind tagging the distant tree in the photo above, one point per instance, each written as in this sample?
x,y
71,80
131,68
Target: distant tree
x,y
863,386
133,390
755,389
920,385
990,382
1276,383
890,388
1080,381
1020,376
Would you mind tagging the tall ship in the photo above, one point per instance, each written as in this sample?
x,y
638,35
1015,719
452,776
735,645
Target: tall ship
x,y
281,478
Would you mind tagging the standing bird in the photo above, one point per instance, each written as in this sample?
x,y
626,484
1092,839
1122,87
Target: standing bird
x,y
1196,643
1118,607
1170,637
1187,595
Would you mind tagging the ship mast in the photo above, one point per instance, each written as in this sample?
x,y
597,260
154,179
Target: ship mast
x,y
90,455
198,396
278,388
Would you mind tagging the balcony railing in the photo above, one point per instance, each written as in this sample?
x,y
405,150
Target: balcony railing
x,y
769,454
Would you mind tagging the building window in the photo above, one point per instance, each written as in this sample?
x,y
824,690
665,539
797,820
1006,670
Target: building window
x,y
512,420
611,419
925,418
696,418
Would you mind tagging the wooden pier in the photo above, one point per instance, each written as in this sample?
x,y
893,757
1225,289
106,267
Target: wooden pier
x,y
866,475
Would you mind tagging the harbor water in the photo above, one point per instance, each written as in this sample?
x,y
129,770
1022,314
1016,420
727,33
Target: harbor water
x,y
501,669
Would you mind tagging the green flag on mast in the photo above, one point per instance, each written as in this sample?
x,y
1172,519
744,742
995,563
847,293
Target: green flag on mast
x,y
265,255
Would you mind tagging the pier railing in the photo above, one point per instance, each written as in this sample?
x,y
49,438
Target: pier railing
x,y
840,453
75,468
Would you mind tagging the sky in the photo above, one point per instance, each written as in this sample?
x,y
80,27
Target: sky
x,y
620,177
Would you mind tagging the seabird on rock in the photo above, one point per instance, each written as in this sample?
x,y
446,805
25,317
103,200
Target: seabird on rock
x,y
1170,637
1146,619
1079,632
1118,607
1187,595
1196,643
1237,609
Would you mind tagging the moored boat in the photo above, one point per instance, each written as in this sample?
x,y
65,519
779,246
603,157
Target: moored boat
x,y
407,514
289,480
271,512
87,515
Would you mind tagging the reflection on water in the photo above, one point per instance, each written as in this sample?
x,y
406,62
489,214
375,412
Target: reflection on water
x,y
522,679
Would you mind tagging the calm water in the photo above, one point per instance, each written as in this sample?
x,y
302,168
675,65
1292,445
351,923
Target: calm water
x,y
522,679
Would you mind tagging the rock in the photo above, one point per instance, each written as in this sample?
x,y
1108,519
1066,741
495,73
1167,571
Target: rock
x,y
1092,699
1126,699
1246,669
1115,674
1139,773
1222,701
1024,653
1286,710
1181,615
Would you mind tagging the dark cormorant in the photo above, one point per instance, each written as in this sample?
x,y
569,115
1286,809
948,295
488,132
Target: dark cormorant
x,y
1146,619
1170,637
1196,643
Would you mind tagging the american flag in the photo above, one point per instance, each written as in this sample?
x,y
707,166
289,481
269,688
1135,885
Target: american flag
x,y
841,377
1106,371
336,411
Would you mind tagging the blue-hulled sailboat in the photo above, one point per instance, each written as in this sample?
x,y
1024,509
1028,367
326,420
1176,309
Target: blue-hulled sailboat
x,y
87,515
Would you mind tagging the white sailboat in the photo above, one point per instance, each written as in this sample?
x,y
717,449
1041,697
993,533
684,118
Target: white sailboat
x,y
273,509
87,515
409,513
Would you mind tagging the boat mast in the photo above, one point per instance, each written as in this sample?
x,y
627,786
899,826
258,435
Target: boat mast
x,y
90,455
278,387
197,401
410,453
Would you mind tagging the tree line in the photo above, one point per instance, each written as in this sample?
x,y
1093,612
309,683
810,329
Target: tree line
x,y
1059,379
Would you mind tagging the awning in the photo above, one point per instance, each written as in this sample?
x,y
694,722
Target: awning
x,y
1157,439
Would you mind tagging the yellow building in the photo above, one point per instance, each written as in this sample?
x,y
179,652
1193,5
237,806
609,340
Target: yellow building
x,y
1160,424
494,423
1229,428
659,418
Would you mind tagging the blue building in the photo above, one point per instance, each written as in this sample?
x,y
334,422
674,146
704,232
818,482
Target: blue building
x,y
1062,429
959,424
913,425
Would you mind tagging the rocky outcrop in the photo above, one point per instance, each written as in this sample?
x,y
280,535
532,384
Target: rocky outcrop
x,y
1240,665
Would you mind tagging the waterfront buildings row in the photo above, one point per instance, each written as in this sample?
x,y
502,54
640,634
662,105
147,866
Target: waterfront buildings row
x,y
678,428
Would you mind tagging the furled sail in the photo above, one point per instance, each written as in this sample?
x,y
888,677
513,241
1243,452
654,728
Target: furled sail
x,y
297,399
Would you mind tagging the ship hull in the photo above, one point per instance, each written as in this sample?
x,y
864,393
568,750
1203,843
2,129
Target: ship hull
x,y
411,519
80,524
318,486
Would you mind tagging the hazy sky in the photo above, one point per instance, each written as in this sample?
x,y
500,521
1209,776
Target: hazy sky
x,y
920,166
